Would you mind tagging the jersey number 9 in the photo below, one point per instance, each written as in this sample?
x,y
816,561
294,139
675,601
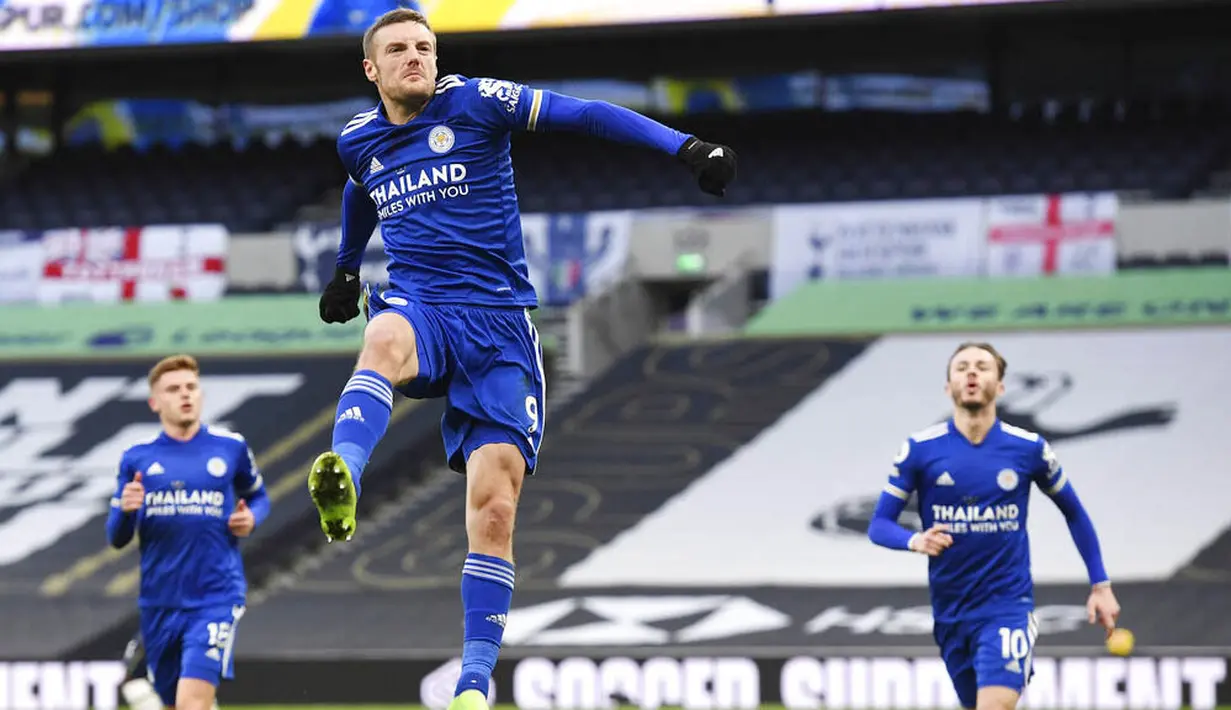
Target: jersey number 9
x,y
532,411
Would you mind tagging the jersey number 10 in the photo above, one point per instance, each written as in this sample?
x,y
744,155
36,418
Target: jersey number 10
x,y
1013,643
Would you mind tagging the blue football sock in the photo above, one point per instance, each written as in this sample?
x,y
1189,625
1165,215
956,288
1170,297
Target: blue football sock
x,y
362,417
487,592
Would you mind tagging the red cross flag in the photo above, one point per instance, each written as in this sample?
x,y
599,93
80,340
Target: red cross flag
x,y
1033,235
156,263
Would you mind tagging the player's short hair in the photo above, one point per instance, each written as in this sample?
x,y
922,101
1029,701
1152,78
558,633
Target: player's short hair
x,y
171,363
1001,364
393,17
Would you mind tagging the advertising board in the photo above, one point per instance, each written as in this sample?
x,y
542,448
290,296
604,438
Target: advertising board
x,y
694,682
60,24
266,325
1141,298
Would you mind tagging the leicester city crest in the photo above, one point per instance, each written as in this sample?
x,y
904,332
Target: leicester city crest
x,y
440,139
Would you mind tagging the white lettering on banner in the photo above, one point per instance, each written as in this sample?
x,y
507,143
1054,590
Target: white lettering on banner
x,y
1071,683
583,683
55,494
1031,235
54,685
875,240
625,620
154,263
857,683
917,620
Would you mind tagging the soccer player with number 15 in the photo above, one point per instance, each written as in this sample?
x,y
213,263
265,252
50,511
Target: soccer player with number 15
x,y
190,494
973,475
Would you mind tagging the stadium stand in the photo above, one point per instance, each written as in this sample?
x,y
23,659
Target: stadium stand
x,y
1158,151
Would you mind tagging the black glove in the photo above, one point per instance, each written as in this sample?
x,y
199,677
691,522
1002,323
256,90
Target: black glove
x,y
713,165
340,300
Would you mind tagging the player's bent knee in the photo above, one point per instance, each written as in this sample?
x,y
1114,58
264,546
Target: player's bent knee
x,y
389,348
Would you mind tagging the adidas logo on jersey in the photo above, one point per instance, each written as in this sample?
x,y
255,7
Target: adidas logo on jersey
x,y
155,469
945,479
352,413
375,166
1013,666
498,619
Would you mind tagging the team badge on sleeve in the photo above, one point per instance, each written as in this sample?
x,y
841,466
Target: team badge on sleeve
x,y
1049,457
506,92
902,453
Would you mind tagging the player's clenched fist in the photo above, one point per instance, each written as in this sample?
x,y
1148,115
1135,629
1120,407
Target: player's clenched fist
x,y
713,165
932,541
133,495
340,300
242,521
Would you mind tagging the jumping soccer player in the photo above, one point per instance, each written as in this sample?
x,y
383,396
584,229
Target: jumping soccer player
x,y
973,474
191,493
431,163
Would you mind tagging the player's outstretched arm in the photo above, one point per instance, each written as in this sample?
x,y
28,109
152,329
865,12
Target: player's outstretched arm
x,y
713,165
339,302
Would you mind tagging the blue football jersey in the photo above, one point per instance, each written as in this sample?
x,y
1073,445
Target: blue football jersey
x,y
189,558
443,188
982,492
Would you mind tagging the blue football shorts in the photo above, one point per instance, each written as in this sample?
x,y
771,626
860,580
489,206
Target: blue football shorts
x,y
981,653
189,643
487,362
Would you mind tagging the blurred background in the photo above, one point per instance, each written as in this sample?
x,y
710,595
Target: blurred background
x,y
729,381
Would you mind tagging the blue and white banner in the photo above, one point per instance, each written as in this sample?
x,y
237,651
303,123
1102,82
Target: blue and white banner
x,y
573,255
21,266
316,255
890,239
568,255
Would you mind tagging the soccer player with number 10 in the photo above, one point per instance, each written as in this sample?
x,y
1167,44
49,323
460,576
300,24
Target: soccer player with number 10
x,y
973,475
